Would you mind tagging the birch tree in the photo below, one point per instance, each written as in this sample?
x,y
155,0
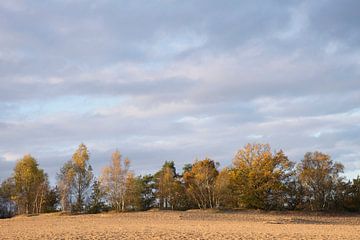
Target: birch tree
x,y
65,179
74,181
319,177
114,181
200,182
31,185
82,178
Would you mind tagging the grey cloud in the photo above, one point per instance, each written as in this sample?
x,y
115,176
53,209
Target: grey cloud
x,y
197,79
34,87
336,21
5,169
64,43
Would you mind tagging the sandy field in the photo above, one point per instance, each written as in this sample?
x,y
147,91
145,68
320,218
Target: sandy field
x,y
183,225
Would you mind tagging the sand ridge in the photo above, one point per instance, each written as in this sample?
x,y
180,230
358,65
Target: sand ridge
x,y
182,225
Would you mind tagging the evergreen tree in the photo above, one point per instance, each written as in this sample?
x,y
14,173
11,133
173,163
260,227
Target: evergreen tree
x,y
169,189
7,205
147,191
96,204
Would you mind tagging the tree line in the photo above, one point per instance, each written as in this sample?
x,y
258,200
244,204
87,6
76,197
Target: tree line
x,y
258,178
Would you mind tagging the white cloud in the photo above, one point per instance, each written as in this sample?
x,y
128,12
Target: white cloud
x,y
178,80
11,157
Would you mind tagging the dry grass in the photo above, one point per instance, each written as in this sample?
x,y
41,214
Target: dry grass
x,y
182,225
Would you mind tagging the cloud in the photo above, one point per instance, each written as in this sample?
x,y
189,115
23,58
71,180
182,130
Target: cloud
x,y
11,157
177,80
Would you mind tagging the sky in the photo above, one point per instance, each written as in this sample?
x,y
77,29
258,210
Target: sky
x,y
178,80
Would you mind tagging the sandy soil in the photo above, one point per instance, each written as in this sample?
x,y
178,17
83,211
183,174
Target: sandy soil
x,y
183,225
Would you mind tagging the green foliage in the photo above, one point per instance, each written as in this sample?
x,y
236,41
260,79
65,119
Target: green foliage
x,y
147,191
96,204
7,206
352,196
259,178
52,200
169,189
7,188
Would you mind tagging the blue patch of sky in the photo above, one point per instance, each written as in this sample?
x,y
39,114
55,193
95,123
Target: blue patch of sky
x,y
31,110
169,45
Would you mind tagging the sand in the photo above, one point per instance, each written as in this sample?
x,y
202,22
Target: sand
x,y
183,225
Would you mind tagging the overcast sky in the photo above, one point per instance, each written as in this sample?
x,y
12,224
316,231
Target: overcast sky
x,y
178,80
